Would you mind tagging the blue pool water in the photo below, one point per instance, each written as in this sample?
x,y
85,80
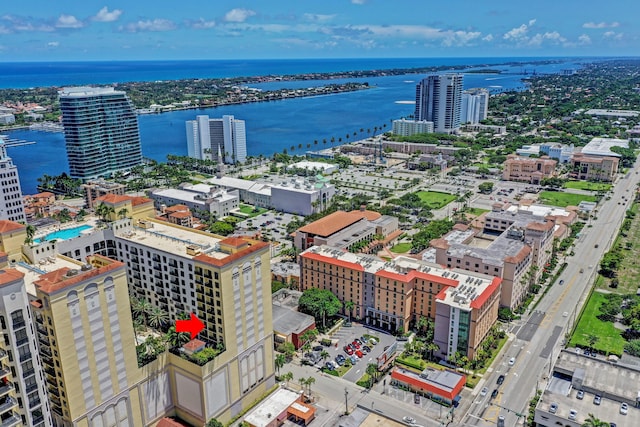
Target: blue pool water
x,y
69,233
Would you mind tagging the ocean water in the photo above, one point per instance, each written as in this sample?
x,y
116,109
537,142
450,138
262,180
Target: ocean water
x,y
271,126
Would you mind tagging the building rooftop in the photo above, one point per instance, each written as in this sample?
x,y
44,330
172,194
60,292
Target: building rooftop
x,y
285,268
444,381
81,91
286,321
313,165
10,275
602,147
274,405
361,262
171,239
331,223
495,254
614,113
7,226
472,293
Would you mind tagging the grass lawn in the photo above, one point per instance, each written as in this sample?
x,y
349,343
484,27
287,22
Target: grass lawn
x,y
435,199
249,210
557,198
494,354
401,248
609,338
586,185
476,211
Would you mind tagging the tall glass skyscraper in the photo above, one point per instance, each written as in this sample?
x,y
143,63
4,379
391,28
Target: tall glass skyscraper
x,y
11,205
438,100
101,131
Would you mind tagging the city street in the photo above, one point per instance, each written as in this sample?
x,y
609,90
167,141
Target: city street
x,y
539,337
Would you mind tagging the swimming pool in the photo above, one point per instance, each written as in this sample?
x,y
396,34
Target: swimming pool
x,y
66,234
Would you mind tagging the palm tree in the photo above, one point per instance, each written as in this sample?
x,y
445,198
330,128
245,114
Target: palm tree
x,y
280,361
372,371
309,382
122,213
324,355
348,306
592,421
31,231
175,339
288,376
157,318
140,309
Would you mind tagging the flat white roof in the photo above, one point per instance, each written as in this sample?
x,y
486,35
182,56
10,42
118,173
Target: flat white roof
x,y
314,165
87,91
271,407
615,113
602,146
226,181
33,272
172,239
539,210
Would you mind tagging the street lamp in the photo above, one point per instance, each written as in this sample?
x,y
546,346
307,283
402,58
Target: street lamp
x,y
346,404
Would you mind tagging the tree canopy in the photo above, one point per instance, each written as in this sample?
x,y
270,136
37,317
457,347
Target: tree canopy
x,y
319,303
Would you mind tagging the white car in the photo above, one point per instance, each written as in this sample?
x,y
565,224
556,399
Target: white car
x,y
624,408
512,361
573,414
484,391
408,420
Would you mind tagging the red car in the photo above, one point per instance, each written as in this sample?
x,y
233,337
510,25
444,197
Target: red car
x,y
355,344
359,354
348,350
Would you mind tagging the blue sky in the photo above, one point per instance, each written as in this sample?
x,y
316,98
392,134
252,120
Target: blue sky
x,y
64,30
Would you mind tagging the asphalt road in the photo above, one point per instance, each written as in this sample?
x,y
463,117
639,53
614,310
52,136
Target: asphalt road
x,y
540,336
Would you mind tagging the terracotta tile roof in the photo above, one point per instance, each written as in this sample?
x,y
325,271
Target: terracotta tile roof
x,y
235,242
540,226
180,214
526,250
56,280
113,199
406,278
135,201
7,226
193,345
168,422
331,223
332,261
439,243
176,208
484,296
369,215
254,247
10,275
43,194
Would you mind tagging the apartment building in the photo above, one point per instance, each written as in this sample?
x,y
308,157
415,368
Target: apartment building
x,y
404,127
23,396
594,168
98,188
127,206
474,105
206,137
11,203
394,294
531,170
439,100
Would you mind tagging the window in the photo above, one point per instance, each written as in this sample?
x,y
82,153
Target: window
x,y
17,319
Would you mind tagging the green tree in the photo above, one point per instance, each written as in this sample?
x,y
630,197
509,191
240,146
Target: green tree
x,y
214,423
141,308
280,360
320,303
372,371
287,376
348,307
31,231
288,349
592,339
175,339
157,318
486,187
122,213
592,421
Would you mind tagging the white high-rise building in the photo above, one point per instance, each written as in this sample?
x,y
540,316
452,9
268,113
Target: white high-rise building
x,y
11,205
438,99
206,136
405,127
475,104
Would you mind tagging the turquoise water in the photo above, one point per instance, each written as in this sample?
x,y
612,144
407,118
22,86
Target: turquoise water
x,y
67,234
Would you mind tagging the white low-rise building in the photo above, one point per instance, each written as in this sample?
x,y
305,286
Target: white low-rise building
x,y
218,202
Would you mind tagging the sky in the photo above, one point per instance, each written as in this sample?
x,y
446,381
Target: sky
x,y
72,30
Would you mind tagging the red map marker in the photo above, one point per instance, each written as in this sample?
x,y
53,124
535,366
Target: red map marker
x,y
193,326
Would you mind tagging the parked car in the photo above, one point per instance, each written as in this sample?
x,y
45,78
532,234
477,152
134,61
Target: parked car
x,y
597,399
373,341
484,391
355,345
573,414
580,395
553,408
318,348
408,420
348,350
330,366
494,393
512,361
500,380
624,408
366,349
416,398
357,341
353,360
359,354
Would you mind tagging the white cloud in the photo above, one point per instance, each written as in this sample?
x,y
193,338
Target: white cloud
x,y
554,37
53,44
599,25
104,15
531,22
517,33
362,34
314,17
68,21
612,35
584,39
488,37
149,25
201,24
238,15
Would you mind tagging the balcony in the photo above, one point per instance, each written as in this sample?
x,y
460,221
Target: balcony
x,y
18,324
7,403
3,354
10,421
25,356
5,389
46,351
4,372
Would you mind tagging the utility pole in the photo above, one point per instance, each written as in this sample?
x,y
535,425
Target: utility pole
x,y
346,402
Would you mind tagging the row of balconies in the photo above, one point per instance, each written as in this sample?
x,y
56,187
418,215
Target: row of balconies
x,y
7,403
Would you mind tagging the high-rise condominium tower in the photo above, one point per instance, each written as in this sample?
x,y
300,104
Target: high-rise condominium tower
x,y
438,100
11,206
475,105
101,131
206,136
